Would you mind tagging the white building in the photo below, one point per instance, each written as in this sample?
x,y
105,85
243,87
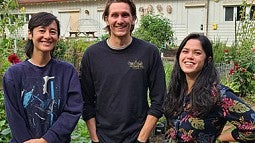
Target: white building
x,y
218,19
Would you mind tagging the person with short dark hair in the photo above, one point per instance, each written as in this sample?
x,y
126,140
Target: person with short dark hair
x,y
42,95
197,106
116,75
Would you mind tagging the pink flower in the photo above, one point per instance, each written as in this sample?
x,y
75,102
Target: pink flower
x,y
173,134
13,58
246,126
187,138
227,103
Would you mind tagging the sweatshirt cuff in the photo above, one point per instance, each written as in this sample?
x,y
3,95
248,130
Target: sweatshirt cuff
x,y
235,135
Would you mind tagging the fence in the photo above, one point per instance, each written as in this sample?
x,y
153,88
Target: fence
x,y
223,68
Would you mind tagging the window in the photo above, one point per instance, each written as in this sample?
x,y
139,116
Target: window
x,y
234,13
229,12
27,17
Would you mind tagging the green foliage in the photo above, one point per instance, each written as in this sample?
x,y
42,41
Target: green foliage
x,y
11,23
5,52
157,30
218,51
246,27
168,66
75,51
242,57
60,49
5,133
81,133
103,37
82,45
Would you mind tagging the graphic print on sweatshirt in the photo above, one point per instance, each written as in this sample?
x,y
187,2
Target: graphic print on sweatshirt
x,y
41,102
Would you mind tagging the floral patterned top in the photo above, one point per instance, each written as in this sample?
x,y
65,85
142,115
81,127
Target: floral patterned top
x,y
205,130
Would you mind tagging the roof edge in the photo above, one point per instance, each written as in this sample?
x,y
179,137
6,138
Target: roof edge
x,y
23,2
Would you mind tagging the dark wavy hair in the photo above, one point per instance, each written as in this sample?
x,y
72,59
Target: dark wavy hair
x,y
39,19
201,98
132,10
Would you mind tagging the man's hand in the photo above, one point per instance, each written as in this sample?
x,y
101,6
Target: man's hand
x,y
40,140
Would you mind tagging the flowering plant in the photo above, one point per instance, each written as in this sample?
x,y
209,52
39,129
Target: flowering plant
x,y
241,56
242,71
13,58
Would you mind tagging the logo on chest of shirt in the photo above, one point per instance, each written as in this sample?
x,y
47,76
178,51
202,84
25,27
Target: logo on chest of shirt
x,y
137,64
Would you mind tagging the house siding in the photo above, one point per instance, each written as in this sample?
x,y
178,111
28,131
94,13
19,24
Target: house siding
x,y
225,31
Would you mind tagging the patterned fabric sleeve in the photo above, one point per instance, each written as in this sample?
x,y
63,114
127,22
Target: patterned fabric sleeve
x,y
241,115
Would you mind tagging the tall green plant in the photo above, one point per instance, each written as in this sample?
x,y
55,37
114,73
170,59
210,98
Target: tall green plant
x,y
168,66
60,49
157,30
11,21
218,50
11,17
242,73
5,132
80,133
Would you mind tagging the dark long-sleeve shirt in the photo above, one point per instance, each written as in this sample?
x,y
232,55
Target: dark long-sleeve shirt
x,y
42,101
115,87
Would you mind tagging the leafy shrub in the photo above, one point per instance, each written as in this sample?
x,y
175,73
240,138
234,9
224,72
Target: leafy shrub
x,y
75,50
157,30
168,66
60,49
10,23
242,57
5,134
81,133
218,50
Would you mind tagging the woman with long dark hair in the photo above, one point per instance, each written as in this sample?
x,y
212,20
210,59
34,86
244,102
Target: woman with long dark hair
x,y
197,106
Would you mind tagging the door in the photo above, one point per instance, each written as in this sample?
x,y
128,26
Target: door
x,y
196,20
69,21
75,21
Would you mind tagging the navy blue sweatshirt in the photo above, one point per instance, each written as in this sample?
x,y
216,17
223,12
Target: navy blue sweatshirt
x,y
115,86
42,101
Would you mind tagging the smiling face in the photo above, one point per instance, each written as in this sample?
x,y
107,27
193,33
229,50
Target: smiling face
x,y
44,38
120,19
192,58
